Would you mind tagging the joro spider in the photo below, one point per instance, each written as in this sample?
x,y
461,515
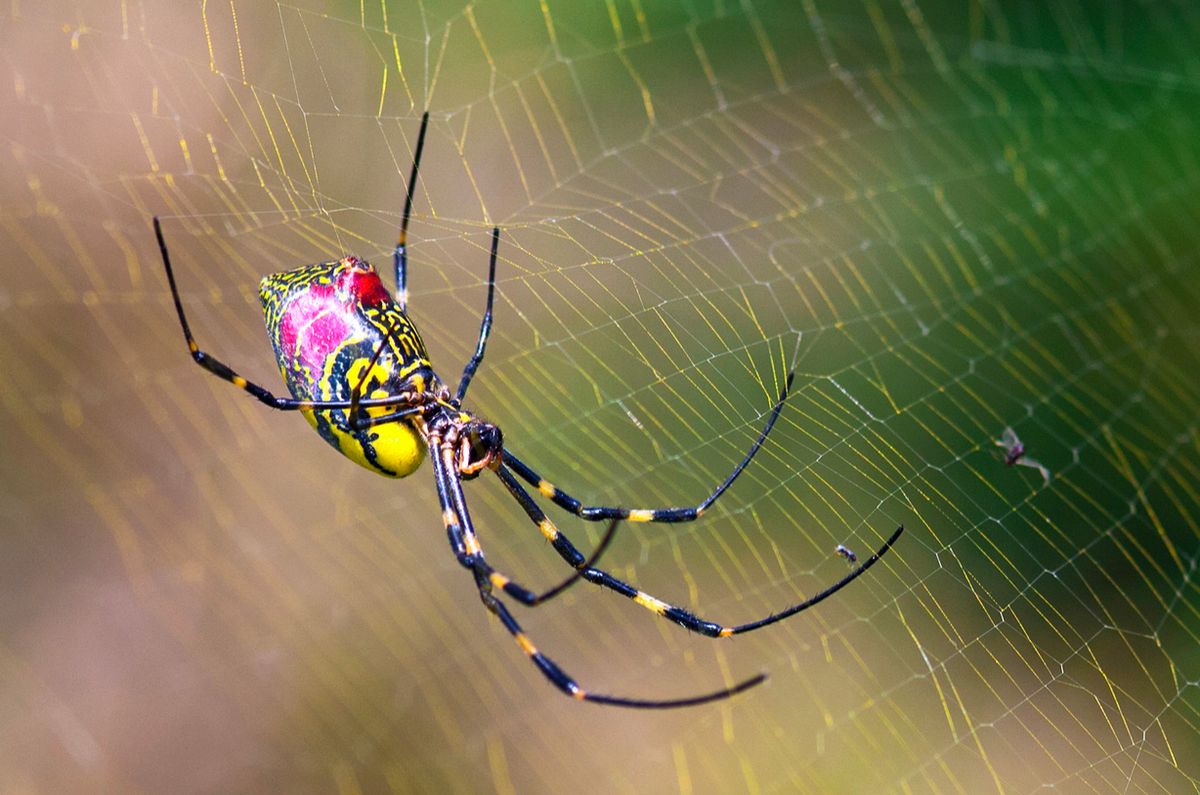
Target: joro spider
x,y
359,373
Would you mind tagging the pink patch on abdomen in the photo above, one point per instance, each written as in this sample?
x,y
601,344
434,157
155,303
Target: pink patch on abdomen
x,y
314,326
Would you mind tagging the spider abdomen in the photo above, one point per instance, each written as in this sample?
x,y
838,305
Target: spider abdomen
x,y
325,323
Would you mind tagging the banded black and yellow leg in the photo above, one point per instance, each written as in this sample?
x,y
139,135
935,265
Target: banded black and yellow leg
x,y
462,540
684,618
586,568
467,549
485,327
595,513
464,551
227,373
563,681
400,253
562,545
528,597
788,612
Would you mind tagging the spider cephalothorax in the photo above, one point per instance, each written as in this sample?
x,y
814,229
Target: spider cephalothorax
x,y
359,373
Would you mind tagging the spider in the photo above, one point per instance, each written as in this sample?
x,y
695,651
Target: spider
x,y
359,373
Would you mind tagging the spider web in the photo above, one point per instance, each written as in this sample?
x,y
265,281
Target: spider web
x,y
951,220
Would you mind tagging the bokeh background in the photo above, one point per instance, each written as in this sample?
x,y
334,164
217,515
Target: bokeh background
x,y
952,218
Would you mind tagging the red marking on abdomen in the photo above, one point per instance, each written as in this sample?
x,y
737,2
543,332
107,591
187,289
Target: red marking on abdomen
x,y
368,288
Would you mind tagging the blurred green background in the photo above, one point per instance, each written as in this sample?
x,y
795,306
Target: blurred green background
x,y
955,217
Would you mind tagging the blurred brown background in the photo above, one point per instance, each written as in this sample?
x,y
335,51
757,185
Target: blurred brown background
x,y
971,217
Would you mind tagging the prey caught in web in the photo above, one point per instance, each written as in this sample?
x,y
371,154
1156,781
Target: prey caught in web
x,y
359,373
1014,454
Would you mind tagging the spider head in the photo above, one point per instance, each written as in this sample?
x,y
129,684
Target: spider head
x,y
480,446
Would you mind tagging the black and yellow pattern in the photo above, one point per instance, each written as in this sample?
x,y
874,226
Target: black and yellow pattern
x,y
358,371
376,352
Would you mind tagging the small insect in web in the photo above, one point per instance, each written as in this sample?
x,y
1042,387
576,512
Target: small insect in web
x,y
847,553
358,372
1014,454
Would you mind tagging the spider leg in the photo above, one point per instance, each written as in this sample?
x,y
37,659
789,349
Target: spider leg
x,y
684,618
466,545
400,253
595,513
466,548
363,423
225,372
563,681
485,327
788,612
